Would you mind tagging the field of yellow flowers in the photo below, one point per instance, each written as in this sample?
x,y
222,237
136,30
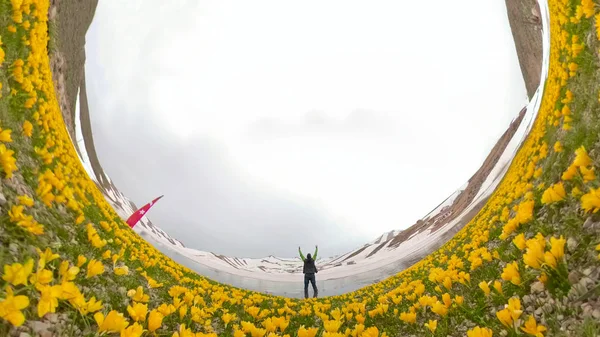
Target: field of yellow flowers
x,y
527,265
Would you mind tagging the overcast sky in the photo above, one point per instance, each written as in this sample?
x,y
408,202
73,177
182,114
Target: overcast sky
x,y
273,124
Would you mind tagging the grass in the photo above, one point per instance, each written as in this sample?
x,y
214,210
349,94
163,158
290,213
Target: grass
x,y
463,286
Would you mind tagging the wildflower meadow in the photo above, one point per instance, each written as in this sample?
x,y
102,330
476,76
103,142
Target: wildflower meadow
x,y
528,264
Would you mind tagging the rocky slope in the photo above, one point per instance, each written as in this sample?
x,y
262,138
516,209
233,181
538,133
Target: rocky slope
x,y
526,25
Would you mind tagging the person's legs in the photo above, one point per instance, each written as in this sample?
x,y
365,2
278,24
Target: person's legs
x,y
306,279
313,280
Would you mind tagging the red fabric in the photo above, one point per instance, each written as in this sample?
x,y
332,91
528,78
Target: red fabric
x,y
137,215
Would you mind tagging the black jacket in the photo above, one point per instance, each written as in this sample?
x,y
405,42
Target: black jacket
x,y
309,266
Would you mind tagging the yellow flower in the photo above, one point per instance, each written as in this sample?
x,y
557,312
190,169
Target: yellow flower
x,y
447,300
283,323
558,147
408,317
113,322
80,219
519,241
166,309
45,257
459,299
11,306
557,247
479,332
69,291
573,68
505,317
549,259
185,332
94,305
138,312
525,211
569,173
183,311
514,306
48,299
431,325
67,272
532,328
123,270
227,317
534,254
358,329
85,307
152,283
589,201
588,8
17,273
447,282
485,287
5,136
27,128
7,161
597,21
439,308
581,157
138,295
511,273
332,325
81,260
498,287
25,200
257,332
94,268
588,174
41,277
114,259
135,330
155,320
304,332
370,332
554,193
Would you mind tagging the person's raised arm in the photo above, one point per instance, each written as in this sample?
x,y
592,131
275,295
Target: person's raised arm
x,y
316,251
300,251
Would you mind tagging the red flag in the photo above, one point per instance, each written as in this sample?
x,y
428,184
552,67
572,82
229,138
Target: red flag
x,y
137,215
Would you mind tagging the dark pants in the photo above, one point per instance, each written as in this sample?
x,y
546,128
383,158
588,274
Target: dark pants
x,y
310,278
